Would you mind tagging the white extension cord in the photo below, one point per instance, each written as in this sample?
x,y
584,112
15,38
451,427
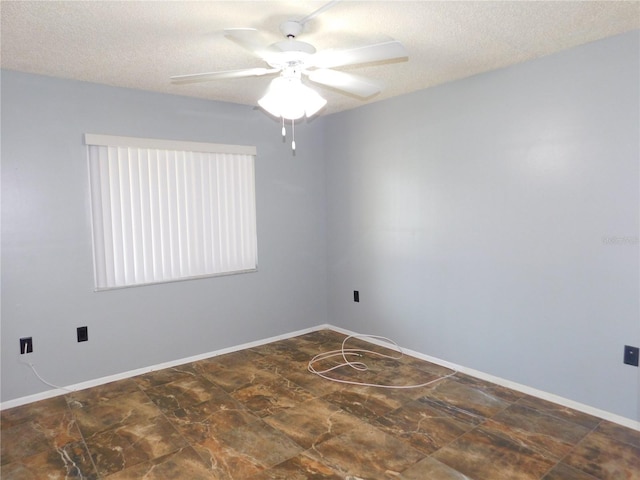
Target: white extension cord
x,y
361,366
33,368
343,353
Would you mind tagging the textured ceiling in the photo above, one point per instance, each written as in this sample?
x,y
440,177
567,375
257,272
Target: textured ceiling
x,y
140,44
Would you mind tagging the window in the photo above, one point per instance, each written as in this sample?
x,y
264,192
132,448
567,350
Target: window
x,y
164,211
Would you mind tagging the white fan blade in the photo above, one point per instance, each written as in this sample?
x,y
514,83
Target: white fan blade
x,y
348,82
371,53
204,77
249,39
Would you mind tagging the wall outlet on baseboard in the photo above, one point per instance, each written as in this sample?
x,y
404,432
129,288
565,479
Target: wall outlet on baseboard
x,y
631,355
83,334
26,345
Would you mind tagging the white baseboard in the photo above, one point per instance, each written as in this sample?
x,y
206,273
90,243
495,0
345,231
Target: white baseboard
x,y
133,373
565,402
627,422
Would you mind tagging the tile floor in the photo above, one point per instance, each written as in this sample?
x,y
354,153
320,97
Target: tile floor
x,y
259,414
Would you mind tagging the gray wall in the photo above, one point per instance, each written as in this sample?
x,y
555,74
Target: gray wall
x,y
47,273
493,222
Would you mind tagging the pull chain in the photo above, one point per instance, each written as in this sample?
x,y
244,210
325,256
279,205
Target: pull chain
x,y
293,135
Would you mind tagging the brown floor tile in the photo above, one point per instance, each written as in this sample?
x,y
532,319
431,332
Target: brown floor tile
x,y
301,467
238,359
624,434
363,402
17,471
261,443
424,427
469,398
269,398
37,435
232,379
565,472
425,366
25,413
366,453
225,461
310,382
293,350
259,414
492,389
460,413
606,458
162,377
116,412
182,393
181,464
21,441
431,469
323,340
217,415
102,393
481,454
384,372
313,422
71,461
369,370
559,411
542,433
403,375
119,448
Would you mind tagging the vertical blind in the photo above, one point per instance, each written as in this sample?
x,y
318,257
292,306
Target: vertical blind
x,y
182,211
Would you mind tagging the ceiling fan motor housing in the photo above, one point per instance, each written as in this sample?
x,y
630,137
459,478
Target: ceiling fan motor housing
x,y
288,53
291,28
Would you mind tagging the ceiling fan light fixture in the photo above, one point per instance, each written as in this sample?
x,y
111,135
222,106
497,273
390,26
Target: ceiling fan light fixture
x,y
313,102
289,98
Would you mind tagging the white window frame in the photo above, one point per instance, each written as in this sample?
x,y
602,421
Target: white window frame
x,y
166,211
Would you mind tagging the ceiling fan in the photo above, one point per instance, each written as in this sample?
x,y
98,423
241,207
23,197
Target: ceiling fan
x,y
287,96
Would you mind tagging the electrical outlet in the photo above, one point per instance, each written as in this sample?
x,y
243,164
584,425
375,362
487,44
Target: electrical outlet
x,y
631,355
356,296
83,334
26,345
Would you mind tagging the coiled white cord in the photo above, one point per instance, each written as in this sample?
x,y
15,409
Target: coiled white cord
x,y
361,366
